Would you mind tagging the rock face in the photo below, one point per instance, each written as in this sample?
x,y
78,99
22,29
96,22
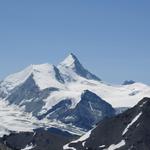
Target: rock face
x,y
128,82
4,147
90,110
40,139
129,130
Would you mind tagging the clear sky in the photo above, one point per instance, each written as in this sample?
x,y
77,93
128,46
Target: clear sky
x,y
110,37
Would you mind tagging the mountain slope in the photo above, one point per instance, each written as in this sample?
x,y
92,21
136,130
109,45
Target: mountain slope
x,y
14,119
89,111
129,130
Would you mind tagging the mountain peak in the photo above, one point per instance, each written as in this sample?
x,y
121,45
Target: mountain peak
x,y
70,61
73,55
73,64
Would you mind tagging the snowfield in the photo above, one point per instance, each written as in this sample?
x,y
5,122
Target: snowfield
x,y
116,95
14,119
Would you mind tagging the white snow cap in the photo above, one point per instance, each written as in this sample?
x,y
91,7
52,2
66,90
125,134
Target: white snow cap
x,y
73,69
69,61
44,76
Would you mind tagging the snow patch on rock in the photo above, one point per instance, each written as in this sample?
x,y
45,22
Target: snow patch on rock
x,y
132,122
116,146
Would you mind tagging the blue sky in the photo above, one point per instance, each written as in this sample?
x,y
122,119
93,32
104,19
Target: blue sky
x,y
110,37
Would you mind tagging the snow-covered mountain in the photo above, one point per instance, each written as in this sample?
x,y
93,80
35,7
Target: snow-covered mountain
x,y
127,131
44,89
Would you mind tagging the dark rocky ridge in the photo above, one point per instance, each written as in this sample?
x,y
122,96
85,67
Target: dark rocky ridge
x,y
110,130
51,139
128,82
